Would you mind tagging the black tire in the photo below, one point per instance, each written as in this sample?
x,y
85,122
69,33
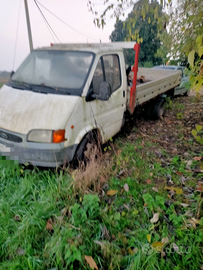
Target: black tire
x,y
149,111
87,149
186,93
158,109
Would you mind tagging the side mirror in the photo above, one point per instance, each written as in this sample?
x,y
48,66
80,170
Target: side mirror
x,y
11,74
104,91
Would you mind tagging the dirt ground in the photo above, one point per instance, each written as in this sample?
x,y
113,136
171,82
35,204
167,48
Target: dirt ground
x,y
174,131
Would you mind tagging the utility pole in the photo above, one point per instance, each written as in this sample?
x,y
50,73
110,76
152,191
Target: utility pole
x,y
28,25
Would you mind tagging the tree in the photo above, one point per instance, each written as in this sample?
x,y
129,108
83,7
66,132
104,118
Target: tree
x,y
186,31
185,26
134,27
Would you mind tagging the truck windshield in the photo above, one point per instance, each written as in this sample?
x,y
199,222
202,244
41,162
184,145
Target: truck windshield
x,y
58,72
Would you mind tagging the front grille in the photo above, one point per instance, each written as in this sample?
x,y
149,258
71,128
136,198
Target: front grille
x,y
10,137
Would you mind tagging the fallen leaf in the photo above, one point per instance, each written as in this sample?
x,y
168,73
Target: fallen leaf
x,y
157,246
130,251
119,152
64,211
49,225
155,218
163,254
182,180
105,233
199,187
126,207
201,166
189,163
197,158
120,173
188,213
149,181
60,219
111,192
184,204
16,218
186,154
179,173
101,244
197,171
193,222
164,240
155,189
170,182
102,179
177,190
149,238
171,193
184,227
196,220
91,262
176,248
135,250
159,209
126,187
20,251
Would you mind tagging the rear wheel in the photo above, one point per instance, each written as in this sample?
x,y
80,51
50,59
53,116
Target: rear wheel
x,y
186,93
158,109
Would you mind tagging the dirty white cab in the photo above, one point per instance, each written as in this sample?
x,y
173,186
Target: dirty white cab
x,y
53,101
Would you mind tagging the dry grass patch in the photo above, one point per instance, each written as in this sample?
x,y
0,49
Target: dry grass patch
x,y
91,178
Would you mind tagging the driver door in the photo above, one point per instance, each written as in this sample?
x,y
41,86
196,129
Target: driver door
x,y
107,115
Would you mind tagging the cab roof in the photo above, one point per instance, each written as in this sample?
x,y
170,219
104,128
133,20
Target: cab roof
x,y
91,47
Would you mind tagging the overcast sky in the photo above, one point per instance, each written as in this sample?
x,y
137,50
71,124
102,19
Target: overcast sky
x,y
14,44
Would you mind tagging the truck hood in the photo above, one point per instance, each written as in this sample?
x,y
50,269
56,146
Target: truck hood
x,y
22,111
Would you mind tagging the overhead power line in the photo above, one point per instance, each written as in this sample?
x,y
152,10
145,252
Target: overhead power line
x,y
48,25
65,22
16,39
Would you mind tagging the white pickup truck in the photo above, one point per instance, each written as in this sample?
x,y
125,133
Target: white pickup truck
x,y
64,93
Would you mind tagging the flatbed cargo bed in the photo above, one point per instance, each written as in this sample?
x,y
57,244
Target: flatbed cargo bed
x,y
156,82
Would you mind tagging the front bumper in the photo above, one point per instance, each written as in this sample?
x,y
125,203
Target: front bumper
x,y
37,154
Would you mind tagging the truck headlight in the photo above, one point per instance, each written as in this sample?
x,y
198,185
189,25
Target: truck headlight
x,y
46,136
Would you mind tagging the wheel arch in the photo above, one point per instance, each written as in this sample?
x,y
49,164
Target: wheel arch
x,y
93,133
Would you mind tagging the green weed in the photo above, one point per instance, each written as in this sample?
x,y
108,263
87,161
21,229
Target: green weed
x,y
47,221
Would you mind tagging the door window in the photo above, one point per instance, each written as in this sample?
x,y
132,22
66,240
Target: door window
x,y
108,69
98,77
112,71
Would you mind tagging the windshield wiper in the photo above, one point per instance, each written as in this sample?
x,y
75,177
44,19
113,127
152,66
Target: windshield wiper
x,y
40,88
21,83
44,88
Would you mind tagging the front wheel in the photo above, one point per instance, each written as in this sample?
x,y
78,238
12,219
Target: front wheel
x,y
89,148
